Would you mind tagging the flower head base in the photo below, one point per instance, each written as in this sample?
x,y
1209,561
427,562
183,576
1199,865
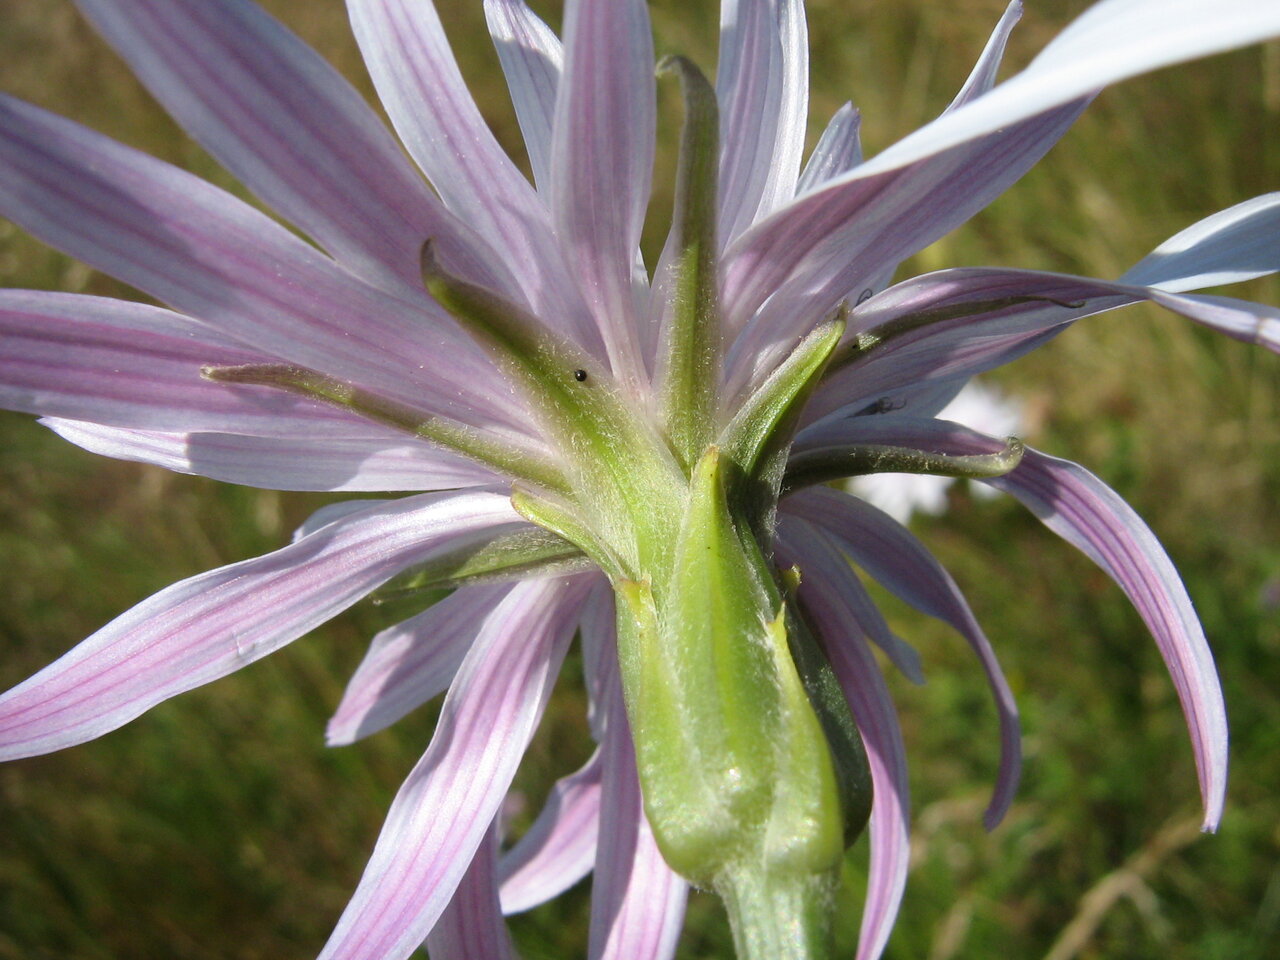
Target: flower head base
x,y
634,457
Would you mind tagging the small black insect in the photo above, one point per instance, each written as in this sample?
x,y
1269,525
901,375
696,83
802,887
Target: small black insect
x,y
580,376
865,295
883,405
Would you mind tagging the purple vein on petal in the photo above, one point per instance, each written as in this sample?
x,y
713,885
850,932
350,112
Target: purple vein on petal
x,y
442,811
899,561
864,688
418,80
471,927
602,164
213,624
411,663
213,257
1077,506
763,89
559,849
292,129
283,463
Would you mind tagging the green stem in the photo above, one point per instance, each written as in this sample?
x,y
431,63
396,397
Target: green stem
x,y
779,916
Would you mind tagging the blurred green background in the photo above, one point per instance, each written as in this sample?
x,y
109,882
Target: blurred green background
x,y
219,826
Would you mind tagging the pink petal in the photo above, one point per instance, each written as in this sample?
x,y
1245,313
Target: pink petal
x,y
983,76
408,56
278,463
559,849
807,256
132,365
210,256
602,160
411,663
213,624
1012,313
941,175
471,927
1078,507
290,128
762,81
837,628
532,59
441,814
899,562
838,150
637,901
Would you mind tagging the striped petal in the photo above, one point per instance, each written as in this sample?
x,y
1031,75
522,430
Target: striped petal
x,y
419,83
411,663
1078,507
213,624
602,162
899,562
132,365
846,234
471,926
637,901
283,463
214,258
762,83
445,807
290,128
837,151
532,60
559,849
837,627
942,174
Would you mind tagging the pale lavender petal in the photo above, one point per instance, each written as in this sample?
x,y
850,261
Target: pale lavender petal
x,y
289,127
213,624
836,626
844,235
216,259
838,150
1111,41
1253,323
418,80
329,513
763,87
899,562
991,140
983,76
1239,243
637,901
840,575
532,59
602,162
1081,509
133,365
1086,513
419,83
995,316
559,849
446,805
411,663
599,632
471,927
283,463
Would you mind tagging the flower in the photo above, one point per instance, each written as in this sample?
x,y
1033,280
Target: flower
x,y
632,456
